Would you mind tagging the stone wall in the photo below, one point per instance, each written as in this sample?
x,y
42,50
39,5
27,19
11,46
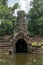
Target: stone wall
x,y
7,46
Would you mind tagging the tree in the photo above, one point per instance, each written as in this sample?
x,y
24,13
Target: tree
x,y
35,17
7,18
15,7
4,2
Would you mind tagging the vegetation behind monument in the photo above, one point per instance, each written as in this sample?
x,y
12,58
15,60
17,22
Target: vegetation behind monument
x,y
7,19
34,17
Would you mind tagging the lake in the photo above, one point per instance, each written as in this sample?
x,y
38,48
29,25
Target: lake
x,y
21,59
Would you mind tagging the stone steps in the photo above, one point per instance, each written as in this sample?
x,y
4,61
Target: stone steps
x,y
39,50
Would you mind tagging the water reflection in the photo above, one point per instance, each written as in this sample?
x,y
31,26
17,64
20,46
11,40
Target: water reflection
x,y
21,59
29,59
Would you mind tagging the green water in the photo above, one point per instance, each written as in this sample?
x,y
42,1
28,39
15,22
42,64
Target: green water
x,y
21,59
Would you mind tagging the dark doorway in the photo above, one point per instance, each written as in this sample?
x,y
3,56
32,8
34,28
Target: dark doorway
x,y
21,46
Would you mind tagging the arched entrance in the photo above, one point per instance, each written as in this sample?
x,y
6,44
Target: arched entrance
x,y
21,46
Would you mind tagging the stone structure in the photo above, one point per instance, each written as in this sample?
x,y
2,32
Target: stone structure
x,y
20,41
21,31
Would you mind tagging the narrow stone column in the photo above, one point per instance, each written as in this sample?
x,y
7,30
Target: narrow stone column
x,y
21,23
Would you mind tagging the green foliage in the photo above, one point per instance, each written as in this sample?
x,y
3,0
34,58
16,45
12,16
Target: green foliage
x,y
6,27
7,18
15,7
4,2
4,12
31,34
34,44
42,44
35,18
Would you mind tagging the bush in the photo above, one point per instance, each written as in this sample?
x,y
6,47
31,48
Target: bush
x,y
31,34
41,31
42,44
34,44
39,44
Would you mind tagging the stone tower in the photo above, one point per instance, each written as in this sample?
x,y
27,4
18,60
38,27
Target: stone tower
x,y
21,23
21,32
